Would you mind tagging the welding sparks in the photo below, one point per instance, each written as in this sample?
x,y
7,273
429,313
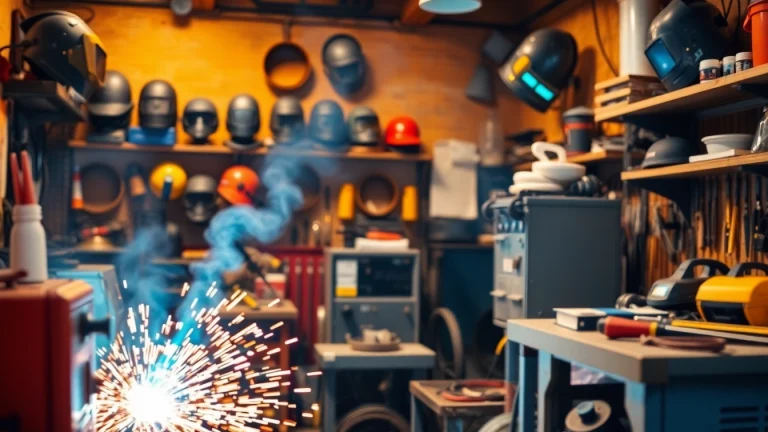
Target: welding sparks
x,y
153,384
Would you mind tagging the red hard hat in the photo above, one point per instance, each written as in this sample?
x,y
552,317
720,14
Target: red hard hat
x,y
238,185
402,131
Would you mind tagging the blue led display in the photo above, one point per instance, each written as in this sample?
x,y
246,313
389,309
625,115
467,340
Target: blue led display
x,y
544,92
660,58
530,80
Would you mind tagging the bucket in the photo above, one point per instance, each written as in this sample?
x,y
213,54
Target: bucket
x,y
757,24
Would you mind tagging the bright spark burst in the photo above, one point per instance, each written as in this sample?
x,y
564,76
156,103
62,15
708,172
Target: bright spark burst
x,y
152,384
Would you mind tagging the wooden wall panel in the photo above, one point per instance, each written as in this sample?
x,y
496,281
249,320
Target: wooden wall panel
x,y
420,72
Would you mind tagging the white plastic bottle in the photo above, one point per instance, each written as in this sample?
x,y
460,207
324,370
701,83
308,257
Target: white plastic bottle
x,y
28,246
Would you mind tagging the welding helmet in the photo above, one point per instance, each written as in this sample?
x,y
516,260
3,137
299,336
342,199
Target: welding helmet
x,y
63,48
157,105
403,135
110,106
344,63
680,37
200,119
238,185
200,198
243,120
168,170
326,125
363,126
287,120
541,67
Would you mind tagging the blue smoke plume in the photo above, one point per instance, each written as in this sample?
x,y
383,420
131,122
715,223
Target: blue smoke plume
x,y
145,282
243,225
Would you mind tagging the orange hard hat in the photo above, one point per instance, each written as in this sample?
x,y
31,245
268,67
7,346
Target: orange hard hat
x,y
238,185
402,132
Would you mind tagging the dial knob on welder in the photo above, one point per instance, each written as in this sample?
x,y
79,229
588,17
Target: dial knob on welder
x,y
587,412
346,311
88,325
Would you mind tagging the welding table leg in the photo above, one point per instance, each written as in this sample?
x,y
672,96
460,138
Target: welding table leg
x,y
554,393
453,424
644,405
329,400
417,423
526,389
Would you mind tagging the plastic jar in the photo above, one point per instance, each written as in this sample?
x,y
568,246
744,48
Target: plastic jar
x,y
756,23
709,70
743,61
578,125
28,246
729,65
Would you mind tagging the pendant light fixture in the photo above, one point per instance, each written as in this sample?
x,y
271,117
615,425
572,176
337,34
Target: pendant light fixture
x,y
450,7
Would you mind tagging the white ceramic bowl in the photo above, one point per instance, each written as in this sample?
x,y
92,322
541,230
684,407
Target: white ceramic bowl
x,y
722,143
528,177
535,187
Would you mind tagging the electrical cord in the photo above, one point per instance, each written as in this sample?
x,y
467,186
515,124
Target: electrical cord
x,y
373,413
603,52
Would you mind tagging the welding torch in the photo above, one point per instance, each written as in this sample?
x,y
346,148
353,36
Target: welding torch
x,y
254,267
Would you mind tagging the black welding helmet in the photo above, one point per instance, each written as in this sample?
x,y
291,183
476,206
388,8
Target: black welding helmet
x,y
669,151
243,119
363,126
63,48
157,105
200,119
287,120
326,125
110,106
200,198
344,63
541,67
680,37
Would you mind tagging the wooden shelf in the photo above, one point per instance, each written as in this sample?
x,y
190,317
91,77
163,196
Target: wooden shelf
x,y
592,158
261,151
717,94
699,169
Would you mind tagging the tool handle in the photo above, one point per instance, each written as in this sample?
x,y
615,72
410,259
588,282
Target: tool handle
x,y
733,229
382,235
615,327
28,185
741,268
16,180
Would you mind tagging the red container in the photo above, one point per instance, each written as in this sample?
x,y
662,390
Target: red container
x,y
757,24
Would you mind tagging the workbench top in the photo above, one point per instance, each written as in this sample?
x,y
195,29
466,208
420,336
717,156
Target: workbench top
x,y
628,359
285,310
342,356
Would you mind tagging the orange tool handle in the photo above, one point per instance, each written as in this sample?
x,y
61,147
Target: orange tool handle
x,y
615,327
382,235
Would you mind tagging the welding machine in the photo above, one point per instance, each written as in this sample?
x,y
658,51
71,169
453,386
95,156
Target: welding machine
x,y
735,299
371,290
45,370
554,251
107,300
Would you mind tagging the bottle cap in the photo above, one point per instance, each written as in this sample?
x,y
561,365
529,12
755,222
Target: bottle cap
x,y
729,59
746,55
709,63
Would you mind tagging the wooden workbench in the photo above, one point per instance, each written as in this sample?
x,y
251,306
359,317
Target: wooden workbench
x,y
452,413
665,389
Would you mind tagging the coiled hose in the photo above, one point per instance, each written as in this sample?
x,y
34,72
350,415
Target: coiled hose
x,y
373,413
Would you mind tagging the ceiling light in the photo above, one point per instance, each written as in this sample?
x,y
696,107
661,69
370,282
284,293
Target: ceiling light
x,y
450,7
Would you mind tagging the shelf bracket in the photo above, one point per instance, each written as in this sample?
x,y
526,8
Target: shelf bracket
x,y
757,90
675,189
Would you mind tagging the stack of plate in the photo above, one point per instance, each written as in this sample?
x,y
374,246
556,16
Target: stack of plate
x,y
547,175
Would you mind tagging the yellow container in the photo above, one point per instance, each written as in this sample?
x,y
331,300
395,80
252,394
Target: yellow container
x,y
346,206
734,300
410,204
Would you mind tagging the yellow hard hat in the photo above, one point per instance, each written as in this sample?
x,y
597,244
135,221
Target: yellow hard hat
x,y
172,171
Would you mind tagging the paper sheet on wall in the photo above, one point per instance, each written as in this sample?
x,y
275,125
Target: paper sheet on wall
x,y
453,187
